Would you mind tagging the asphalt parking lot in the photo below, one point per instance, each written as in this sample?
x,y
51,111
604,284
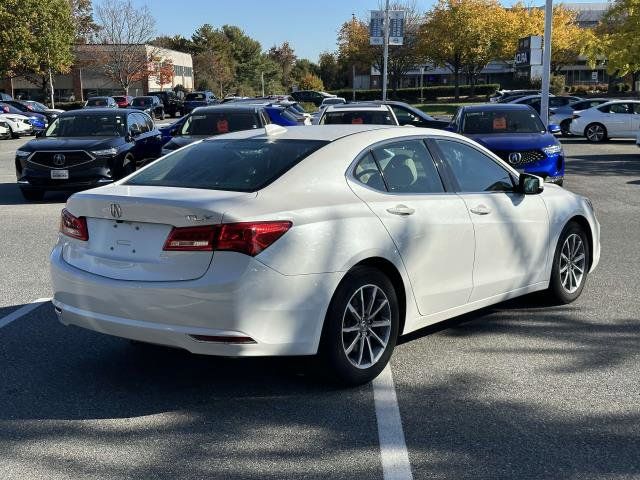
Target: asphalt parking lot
x,y
517,391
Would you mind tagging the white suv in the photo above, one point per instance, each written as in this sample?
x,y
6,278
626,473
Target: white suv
x,y
358,114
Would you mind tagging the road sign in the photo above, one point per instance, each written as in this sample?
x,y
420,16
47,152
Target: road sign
x,y
594,76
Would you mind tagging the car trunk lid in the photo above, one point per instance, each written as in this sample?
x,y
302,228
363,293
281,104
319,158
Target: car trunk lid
x,y
129,225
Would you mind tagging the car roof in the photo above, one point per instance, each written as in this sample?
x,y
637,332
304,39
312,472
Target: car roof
x,y
311,132
357,107
230,107
98,111
629,100
491,107
102,96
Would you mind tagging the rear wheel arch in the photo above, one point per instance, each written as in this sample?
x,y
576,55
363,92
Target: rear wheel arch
x,y
392,273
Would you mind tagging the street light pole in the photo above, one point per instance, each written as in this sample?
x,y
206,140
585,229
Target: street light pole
x,y
386,50
546,62
262,80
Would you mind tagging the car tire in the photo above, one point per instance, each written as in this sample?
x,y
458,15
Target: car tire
x,y
13,134
162,115
570,265
595,133
32,195
355,348
564,128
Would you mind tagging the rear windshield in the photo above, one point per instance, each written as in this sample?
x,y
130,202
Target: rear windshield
x,y
502,121
358,118
87,126
141,101
241,165
195,96
217,123
97,102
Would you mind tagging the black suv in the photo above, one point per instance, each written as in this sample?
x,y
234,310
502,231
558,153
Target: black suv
x,y
150,105
215,120
84,149
173,104
310,96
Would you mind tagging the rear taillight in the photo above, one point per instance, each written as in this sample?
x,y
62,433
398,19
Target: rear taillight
x,y
74,227
249,238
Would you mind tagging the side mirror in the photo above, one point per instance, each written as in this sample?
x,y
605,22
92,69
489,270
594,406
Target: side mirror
x,y
530,184
553,128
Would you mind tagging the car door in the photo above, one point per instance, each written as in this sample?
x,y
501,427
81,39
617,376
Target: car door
x,y
153,147
431,227
511,229
635,120
139,133
618,119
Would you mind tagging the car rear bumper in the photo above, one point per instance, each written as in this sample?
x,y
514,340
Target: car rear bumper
x,y
237,297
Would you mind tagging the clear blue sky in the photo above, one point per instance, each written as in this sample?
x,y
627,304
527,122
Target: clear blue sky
x,y
310,26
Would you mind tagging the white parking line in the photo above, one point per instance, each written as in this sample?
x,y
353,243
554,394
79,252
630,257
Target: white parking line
x,y
6,320
393,449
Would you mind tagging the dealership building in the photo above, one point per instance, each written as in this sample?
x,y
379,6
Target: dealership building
x,y
87,76
503,72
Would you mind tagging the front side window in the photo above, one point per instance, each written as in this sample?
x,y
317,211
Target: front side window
x,y
502,121
97,102
407,167
195,97
87,126
473,170
245,165
141,102
207,124
404,116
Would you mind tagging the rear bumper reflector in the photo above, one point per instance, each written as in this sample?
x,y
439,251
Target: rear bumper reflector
x,y
223,339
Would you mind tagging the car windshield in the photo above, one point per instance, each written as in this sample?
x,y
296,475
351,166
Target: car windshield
x,y
97,102
502,121
358,118
219,122
195,96
245,165
141,102
87,126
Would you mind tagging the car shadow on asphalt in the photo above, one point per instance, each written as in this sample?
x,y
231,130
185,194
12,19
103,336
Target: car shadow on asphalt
x,y
604,165
10,195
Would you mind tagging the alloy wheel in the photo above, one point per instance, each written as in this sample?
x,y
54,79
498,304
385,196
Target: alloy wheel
x,y
595,133
366,326
572,263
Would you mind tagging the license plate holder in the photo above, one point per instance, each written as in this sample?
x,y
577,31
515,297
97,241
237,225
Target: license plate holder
x,y
60,174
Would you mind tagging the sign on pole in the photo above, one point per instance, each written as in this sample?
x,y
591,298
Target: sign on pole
x,y
376,27
396,27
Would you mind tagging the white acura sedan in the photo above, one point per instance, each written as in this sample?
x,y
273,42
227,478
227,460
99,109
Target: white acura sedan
x,y
328,240
615,119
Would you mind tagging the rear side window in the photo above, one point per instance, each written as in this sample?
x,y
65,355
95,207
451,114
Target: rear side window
x,y
407,167
245,165
358,118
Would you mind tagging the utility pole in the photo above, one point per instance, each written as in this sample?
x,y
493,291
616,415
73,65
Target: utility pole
x,y
546,62
421,87
53,105
386,50
353,83
262,80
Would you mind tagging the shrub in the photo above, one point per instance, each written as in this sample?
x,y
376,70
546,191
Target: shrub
x,y
412,95
601,87
580,89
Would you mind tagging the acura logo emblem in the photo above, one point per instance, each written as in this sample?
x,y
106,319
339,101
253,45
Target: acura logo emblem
x,y
58,159
515,157
116,210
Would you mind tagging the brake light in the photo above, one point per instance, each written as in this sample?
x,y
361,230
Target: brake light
x,y
249,238
74,227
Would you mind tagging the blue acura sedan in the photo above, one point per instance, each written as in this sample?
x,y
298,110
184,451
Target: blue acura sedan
x,y
516,134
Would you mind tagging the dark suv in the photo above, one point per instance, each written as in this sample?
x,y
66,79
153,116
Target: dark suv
x,y
310,96
150,105
84,149
173,104
216,120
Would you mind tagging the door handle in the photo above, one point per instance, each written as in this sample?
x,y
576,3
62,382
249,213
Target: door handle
x,y
480,210
401,210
